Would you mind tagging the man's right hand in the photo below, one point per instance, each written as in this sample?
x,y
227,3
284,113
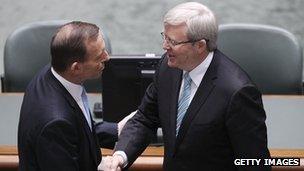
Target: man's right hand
x,y
113,163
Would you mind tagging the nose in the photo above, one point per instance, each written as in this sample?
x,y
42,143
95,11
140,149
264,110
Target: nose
x,y
166,46
107,56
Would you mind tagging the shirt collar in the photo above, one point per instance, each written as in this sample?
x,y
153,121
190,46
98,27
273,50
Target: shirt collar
x,y
198,72
74,89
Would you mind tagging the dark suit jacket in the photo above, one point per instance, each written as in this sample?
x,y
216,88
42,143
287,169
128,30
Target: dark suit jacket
x,y
53,133
225,120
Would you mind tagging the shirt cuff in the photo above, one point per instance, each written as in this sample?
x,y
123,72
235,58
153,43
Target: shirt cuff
x,y
124,157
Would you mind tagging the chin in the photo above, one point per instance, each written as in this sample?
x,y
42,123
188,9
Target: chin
x,y
96,76
171,64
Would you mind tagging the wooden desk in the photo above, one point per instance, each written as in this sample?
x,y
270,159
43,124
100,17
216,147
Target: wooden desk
x,y
151,159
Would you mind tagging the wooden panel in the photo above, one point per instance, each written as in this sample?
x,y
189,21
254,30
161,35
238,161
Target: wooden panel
x,y
150,151
159,151
8,150
150,160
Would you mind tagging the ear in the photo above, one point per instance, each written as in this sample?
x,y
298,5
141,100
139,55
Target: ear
x,y
201,45
76,67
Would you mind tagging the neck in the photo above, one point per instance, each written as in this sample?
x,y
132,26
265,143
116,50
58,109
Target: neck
x,y
70,77
201,57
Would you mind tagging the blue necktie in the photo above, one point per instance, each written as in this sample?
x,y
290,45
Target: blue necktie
x,y
184,101
86,107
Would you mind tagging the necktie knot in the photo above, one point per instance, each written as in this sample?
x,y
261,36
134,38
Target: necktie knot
x,y
84,95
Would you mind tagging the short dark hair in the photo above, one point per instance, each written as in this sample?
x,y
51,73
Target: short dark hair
x,y
68,45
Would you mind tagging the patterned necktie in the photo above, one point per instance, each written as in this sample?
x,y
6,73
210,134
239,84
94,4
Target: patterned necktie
x,y
184,100
86,107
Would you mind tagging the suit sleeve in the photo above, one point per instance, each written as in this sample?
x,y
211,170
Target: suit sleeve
x,y
56,147
107,134
246,126
138,131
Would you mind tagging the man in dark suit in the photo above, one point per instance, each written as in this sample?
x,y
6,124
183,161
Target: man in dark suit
x,y
210,112
56,131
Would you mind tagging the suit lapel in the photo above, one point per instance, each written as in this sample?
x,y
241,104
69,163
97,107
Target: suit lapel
x,y
94,149
97,148
205,88
91,135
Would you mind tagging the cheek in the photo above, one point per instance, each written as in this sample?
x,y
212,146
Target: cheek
x,y
180,55
181,59
93,67
184,57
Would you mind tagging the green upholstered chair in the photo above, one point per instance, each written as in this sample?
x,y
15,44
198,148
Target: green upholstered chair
x,y
271,56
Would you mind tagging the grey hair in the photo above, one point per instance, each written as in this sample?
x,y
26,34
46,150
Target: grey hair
x,y
199,19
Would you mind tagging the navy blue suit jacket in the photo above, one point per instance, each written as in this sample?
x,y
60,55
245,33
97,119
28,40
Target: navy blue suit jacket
x,y
53,133
225,120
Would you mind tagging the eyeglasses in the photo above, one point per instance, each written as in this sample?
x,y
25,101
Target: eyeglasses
x,y
173,43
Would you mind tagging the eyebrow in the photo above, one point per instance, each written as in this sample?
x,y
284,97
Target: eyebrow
x,y
168,36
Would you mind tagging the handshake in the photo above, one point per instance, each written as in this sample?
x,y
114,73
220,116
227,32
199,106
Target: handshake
x,y
112,163
118,160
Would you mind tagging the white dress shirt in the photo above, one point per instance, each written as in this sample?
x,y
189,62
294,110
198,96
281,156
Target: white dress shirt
x,y
197,75
75,90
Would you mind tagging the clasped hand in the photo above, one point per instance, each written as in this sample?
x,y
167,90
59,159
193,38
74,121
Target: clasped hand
x,y
112,163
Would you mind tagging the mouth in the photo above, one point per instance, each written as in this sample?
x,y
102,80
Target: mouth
x,y
170,55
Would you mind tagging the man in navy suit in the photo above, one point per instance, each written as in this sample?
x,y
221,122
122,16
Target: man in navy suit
x,y
56,131
210,112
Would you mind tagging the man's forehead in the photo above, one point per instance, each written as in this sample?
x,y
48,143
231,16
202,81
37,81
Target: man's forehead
x,y
176,29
